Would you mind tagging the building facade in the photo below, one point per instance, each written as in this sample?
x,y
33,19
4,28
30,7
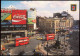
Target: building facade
x,y
13,23
53,24
32,19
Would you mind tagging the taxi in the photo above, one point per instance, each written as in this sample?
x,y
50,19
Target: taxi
x,y
39,38
67,36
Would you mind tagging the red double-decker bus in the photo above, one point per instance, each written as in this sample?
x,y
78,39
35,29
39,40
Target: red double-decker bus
x,y
21,41
50,36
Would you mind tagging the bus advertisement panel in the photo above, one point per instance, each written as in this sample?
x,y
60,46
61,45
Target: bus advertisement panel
x,y
31,17
19,17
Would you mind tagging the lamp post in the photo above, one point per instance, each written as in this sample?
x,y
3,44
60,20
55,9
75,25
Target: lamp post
x,y
64,39
64,43
47,46
42,38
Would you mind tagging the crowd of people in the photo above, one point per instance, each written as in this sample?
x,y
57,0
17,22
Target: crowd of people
x,y
74,42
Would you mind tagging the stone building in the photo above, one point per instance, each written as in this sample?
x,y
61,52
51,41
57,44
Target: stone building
x,y
58,21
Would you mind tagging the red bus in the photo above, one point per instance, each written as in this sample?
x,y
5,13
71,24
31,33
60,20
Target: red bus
x,y
22,41
50,36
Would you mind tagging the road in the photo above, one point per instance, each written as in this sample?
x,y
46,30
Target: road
x,y
26,49
31,46
74,42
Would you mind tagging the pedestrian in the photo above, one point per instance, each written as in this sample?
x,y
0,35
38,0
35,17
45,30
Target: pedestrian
x,y
8,52
8,39
5,40
1,53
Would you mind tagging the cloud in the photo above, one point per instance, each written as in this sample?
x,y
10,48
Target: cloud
x,y
75,14
66,6
47,8
11,7
44,13
61,4
36,4
55,4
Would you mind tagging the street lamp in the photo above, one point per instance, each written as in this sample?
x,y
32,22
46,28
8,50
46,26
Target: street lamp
x,y
63,33
47,46
64,40
42,38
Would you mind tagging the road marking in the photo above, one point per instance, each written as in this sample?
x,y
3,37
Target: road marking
x,y
28,52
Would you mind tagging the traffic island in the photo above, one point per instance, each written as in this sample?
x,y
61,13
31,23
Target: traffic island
x,y
40,48
52,50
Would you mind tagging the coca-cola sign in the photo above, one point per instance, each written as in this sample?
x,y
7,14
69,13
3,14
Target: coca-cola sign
x,y
19,16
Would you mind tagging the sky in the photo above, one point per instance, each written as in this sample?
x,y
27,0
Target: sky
x,y
44,8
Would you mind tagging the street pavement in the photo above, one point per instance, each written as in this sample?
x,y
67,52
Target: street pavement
x,y
74,42
26,49
31,46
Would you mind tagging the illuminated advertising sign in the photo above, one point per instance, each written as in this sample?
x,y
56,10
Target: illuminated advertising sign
x,y
5,18
13,25
31,17
5,11
19,16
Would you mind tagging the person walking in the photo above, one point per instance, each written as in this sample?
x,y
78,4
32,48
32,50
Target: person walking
x,y
8,51
5,40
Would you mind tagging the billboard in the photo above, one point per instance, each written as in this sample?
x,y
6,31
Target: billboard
x,y
5,18
5,11
19,17
31,17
